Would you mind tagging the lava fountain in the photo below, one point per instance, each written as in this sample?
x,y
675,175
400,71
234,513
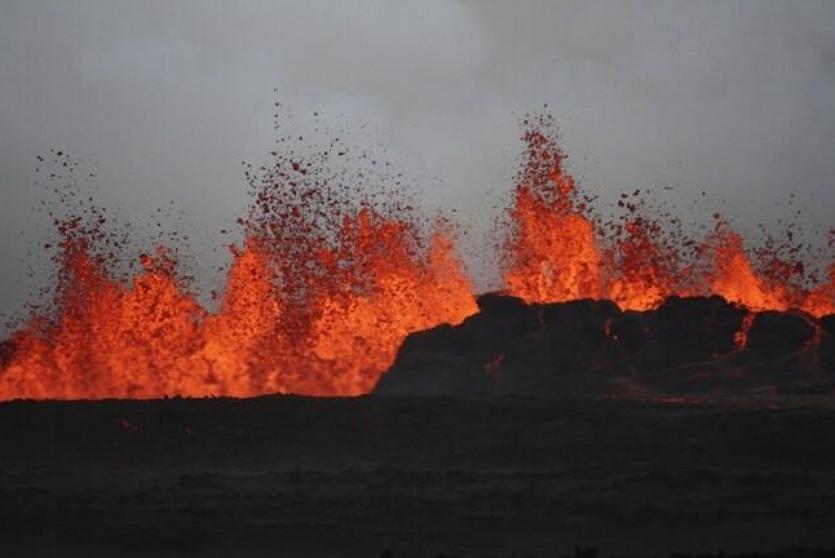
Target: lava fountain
x,y
326,286
555,251
316,302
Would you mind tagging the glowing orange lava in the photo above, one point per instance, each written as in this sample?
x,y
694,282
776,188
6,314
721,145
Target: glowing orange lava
x,y
151,339
327,323
555,253
319,297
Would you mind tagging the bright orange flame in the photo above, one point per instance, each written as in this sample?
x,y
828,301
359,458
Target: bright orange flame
x,y
734,278
151,339
641,278
322,309
555,255
554,252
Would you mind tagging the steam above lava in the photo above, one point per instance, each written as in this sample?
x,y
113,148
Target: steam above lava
x,y
328,283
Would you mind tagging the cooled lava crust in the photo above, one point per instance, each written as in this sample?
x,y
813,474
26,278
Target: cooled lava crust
x,y
696,345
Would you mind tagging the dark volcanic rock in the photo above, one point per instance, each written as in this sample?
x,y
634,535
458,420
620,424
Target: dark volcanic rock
x,y
461,359
827,345
439,360
691,329
780,333
569,351
686,345
508,347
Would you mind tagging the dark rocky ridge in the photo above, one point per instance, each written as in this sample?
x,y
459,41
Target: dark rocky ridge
x,y
686,346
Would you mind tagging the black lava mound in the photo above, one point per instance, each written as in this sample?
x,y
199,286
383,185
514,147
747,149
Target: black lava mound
x,y
698,345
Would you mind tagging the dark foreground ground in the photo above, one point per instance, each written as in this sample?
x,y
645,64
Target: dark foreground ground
x,y
416,476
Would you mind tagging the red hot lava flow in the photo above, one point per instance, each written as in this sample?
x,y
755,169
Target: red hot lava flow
x,y
324,290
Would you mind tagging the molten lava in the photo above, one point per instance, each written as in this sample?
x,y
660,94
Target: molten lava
x,y
325,288
308,308
555,252
152,339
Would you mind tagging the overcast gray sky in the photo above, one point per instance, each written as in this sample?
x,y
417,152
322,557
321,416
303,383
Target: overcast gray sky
x,y
735,98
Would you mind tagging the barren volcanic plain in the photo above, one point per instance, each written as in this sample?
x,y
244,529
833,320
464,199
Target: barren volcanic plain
x,y
419,476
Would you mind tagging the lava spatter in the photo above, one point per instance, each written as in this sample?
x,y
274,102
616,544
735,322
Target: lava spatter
x,y
336,269
317,301
555,251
